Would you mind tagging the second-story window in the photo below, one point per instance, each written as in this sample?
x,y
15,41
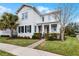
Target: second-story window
x,y
49,17
24,15
43,19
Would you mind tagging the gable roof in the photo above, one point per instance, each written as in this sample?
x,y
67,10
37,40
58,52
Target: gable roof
x,y
29,7
53,12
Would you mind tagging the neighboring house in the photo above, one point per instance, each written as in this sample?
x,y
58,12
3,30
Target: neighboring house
x,y
32,21
5,32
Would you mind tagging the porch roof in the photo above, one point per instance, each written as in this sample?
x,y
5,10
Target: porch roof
x,y
48,23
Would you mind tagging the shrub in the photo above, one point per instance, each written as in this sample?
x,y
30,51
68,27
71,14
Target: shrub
x,y
51,36
26,37
36,36
4,35
73,35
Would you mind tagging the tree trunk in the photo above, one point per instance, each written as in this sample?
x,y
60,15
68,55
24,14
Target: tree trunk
x,y
11,33
62,35
62,30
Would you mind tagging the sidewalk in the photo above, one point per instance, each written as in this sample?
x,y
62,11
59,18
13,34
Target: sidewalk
x,y
24,51
36,43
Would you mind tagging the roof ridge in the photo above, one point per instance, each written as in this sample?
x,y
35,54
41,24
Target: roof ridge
x,y
34,8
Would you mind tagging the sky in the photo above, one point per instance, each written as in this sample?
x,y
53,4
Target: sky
x,y
12,7
42,7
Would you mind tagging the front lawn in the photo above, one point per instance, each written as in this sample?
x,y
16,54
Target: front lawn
x,y
70,47
19,42
2,53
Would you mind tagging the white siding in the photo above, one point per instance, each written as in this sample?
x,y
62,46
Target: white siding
x,y
32,19
49,18
5,32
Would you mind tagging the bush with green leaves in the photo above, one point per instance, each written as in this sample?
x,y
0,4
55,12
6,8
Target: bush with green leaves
x,y
71,29
36,36
51,36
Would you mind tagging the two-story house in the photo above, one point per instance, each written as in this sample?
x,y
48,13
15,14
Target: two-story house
x,y
32,21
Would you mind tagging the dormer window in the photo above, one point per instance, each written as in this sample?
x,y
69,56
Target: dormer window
x,y
24,16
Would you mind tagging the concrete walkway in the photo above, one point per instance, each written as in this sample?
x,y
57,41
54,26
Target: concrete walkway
x,y
36,44
25,51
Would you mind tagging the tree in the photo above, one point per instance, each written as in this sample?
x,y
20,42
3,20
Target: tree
x,y
66,15
8,21
71,29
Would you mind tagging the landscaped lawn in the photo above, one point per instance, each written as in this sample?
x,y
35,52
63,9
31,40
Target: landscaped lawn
x,y
19,42
69,47
2,53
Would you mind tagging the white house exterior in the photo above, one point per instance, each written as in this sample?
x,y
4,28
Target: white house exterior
x,y
5,32
31,21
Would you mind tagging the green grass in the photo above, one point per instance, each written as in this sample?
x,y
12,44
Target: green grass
x,y
2,53
70,47
19,42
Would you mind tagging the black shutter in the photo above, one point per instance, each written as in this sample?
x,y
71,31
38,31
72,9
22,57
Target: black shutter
x,y
35,28
25,29
19,29
30,28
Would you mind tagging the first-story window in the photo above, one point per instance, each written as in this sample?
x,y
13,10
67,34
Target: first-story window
x,y
22,29
28,29
54,27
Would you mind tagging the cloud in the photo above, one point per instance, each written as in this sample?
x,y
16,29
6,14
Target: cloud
x,y
77,20
43,9
4,9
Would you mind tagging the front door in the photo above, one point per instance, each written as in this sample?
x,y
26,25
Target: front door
x,y
46,29
39,28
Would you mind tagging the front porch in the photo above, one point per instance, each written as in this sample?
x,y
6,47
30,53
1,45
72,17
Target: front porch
x,y
46,28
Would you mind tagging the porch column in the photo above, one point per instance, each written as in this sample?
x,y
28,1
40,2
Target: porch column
x,y
24,29
50,28
42,29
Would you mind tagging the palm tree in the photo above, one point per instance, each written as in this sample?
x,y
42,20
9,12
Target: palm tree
x,y
8,21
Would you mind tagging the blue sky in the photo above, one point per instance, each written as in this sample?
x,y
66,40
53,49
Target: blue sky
x,y
14,6
42,7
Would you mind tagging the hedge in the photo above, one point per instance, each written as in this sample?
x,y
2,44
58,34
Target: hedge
x,y
52,36
36,36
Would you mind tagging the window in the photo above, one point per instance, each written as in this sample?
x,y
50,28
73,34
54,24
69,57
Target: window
x,y
24,15
49,17
22,29
43,19
54,27
28,29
